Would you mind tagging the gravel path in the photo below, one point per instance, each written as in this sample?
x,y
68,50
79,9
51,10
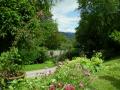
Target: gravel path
x,y
42,72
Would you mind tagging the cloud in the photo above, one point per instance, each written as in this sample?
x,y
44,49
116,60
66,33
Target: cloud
x,y
65,15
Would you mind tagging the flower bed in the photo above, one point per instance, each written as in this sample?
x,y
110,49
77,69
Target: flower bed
x,y
73,75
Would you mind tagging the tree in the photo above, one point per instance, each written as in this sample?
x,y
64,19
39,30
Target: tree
x,y
99,18
13,15
24,24
53,41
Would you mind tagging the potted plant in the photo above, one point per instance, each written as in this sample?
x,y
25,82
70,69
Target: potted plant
x,y
11,65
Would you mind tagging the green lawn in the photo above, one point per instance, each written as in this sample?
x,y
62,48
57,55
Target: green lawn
x,y
47,64
109,78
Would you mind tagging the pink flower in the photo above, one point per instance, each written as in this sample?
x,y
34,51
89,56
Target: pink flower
x,y
52,87
86,73
81,85
69,87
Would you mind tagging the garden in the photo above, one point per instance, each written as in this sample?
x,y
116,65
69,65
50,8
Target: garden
x,y
35,55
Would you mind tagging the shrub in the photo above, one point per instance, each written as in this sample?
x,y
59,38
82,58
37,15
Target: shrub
x,y
33,55
69,54
62,57
77,74
41,55
94,64
9,63
73,52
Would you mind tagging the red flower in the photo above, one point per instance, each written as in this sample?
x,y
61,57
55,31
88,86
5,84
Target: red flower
x,y
52,87
69,87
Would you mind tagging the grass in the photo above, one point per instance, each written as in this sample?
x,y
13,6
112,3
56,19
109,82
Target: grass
x,y
109,78
47,64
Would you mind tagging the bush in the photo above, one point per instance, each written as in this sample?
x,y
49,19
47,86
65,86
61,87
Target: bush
x,y
60,58
68,54
94,64
41,57
78,74
73,52
9,63
33,55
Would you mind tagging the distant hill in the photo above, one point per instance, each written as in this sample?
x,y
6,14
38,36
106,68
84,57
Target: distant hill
x,y
69,35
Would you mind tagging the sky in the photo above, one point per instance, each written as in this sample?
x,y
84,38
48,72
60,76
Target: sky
x,y
66,15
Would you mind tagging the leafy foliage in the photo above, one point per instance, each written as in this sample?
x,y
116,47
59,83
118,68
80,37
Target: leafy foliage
x,y
115,36
14,14
78,73
98,20
27,25
9,63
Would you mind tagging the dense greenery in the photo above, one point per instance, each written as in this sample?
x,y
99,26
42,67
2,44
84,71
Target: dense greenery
x,y
98,26
78,73
28,25
9,63
27,32
108,75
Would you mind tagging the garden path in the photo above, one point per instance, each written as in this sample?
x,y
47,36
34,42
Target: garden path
x,y
41,72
